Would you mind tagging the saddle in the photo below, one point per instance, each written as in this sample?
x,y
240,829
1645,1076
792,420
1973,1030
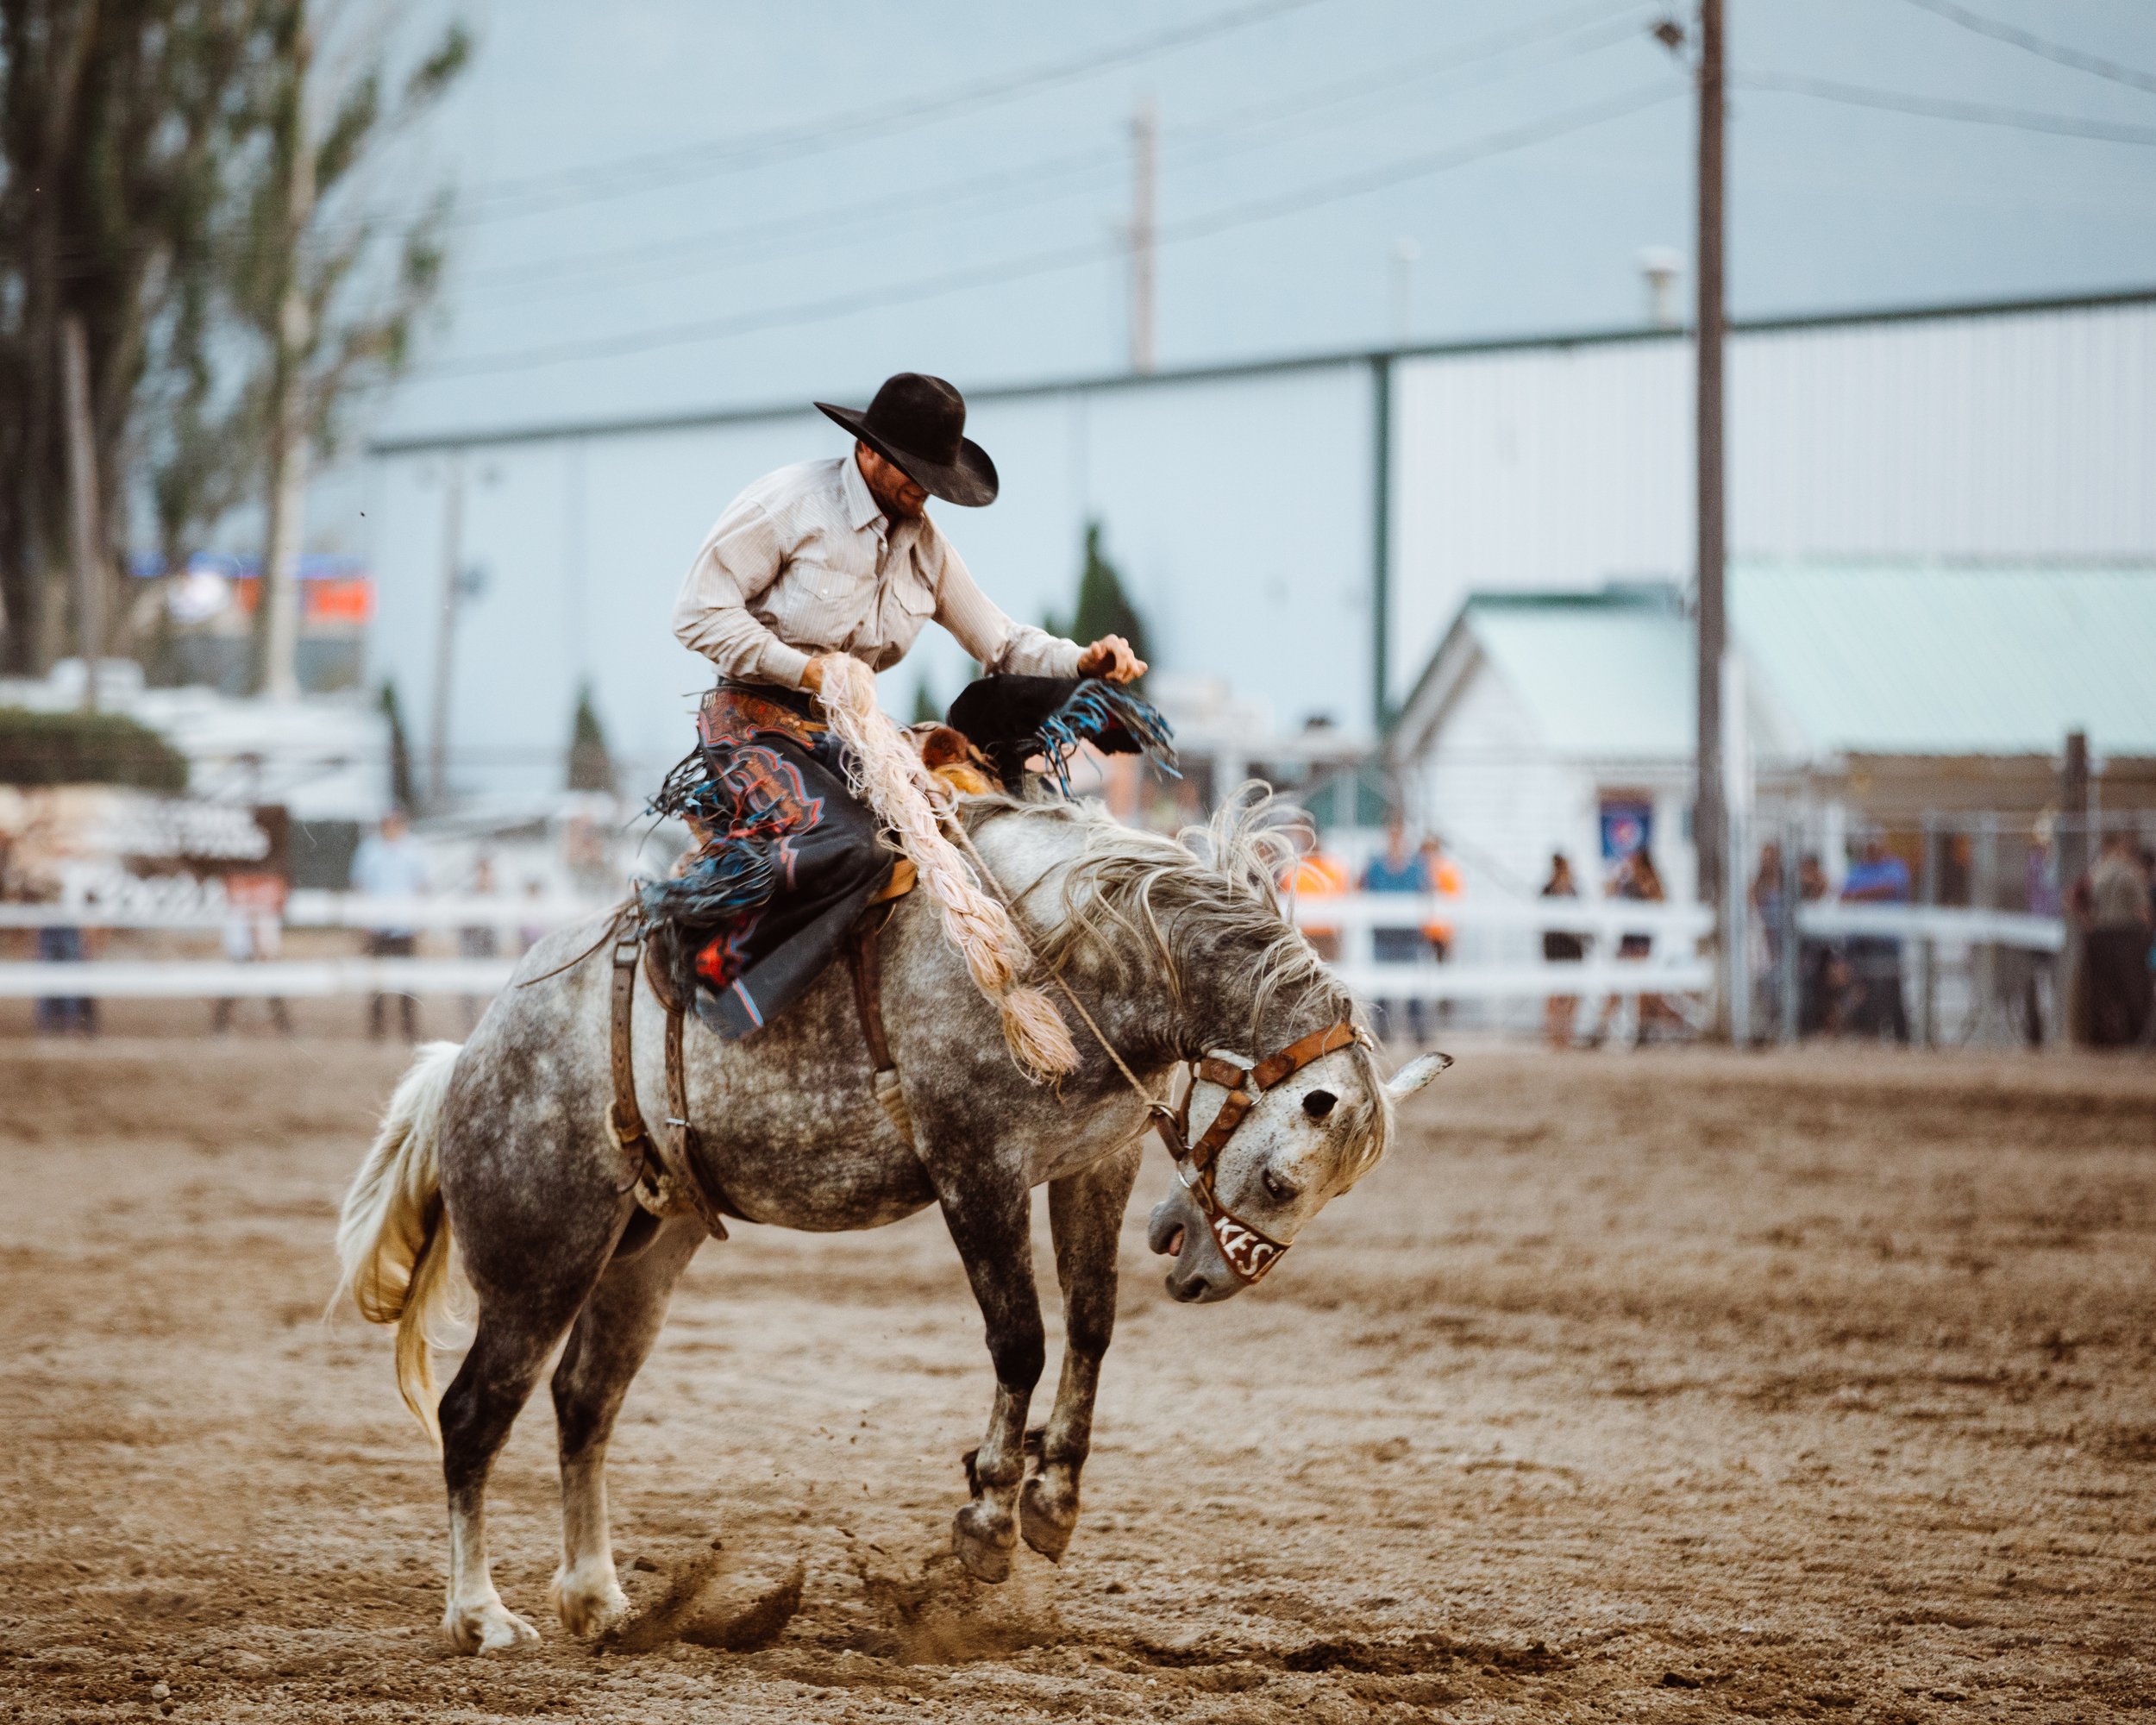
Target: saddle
x,y
996,727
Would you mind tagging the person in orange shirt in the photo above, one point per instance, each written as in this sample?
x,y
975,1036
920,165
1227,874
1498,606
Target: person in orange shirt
x,y
1445,881
1317,874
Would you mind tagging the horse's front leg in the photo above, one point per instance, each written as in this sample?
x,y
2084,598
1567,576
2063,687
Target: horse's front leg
x,y
613,1337
990,1218
1085,1213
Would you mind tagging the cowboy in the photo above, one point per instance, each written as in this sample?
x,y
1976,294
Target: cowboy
x,y
823,557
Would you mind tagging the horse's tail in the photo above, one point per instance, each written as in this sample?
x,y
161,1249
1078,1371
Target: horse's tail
x,y
393,1237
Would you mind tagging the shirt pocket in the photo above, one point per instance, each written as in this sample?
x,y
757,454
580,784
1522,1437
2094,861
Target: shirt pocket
x,y
915,596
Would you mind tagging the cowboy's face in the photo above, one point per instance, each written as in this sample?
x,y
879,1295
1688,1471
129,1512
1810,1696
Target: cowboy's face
x,y
901,496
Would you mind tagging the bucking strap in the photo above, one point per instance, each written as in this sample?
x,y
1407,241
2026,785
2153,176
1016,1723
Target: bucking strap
x,y
660,1172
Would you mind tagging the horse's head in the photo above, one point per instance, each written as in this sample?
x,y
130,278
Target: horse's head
x,y
1187,942
1302,1143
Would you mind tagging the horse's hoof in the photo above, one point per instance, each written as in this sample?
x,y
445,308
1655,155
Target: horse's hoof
x,y
490,1628
588,1610
1046,1524
986,1559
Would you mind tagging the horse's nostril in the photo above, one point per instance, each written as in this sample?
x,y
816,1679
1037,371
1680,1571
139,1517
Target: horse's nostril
x,y
1319,1103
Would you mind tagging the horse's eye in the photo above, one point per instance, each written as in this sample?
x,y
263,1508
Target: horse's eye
x,y
1319,1103
1279,1190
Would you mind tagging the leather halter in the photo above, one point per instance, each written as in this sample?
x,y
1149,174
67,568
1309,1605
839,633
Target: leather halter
x,y
1250,1252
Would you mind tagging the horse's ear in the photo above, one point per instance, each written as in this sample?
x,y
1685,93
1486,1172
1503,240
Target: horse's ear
x,y
1414,1074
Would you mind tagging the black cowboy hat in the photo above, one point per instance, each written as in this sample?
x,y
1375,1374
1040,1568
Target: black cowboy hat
x,y
918,423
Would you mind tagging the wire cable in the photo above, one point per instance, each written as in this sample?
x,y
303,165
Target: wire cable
x,y
1066,174
1065,257
2042,47
1933,108
755,149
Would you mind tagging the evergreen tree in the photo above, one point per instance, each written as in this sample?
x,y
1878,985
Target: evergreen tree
x,y
401,794
925,711
1103,607
591,767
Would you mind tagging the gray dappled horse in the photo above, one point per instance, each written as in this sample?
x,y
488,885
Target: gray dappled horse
x,y
1181,954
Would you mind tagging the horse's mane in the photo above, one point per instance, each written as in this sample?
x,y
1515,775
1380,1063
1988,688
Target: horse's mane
x,y
1130,893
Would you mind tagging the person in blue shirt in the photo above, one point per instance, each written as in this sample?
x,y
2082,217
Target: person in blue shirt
x,y
1398,868
388,865
1878,877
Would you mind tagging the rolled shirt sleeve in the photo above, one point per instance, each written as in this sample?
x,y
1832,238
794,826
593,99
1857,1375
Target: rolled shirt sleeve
x,y
993,638
736,565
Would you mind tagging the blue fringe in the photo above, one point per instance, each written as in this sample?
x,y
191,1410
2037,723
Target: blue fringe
x,y
1094,710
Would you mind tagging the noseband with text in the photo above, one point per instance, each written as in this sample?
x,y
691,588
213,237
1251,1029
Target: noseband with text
x,y
1250,1252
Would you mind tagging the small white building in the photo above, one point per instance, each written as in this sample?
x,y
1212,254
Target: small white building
x,y
1874,693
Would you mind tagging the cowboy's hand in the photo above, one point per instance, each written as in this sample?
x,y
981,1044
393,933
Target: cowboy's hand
x,y
812,676
1111,657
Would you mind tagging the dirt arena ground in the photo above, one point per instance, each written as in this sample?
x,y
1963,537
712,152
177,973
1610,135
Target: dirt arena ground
x,y
1658,1386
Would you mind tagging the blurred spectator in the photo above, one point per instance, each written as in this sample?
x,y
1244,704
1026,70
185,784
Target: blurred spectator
x,y
1767,920
1878,877
1821,977
1317,874
478,940
2116,945
1957,869
1399,870
1559,947
63,1014
534,929
1443,875
388,865
254,930
1636,878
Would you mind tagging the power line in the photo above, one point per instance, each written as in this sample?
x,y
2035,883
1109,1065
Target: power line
x,y
755,149
1066,257
864,217
2029,42
1931,108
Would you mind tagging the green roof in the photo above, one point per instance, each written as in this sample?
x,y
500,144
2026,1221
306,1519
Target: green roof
x,y
1851,657
1931,659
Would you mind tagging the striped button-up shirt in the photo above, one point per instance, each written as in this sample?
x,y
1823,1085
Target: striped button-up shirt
x,y
804,562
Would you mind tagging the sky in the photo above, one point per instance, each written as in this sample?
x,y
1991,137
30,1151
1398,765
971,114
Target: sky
x,y
674,204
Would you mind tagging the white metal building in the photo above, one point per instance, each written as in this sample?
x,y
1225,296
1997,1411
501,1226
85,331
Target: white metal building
x,y
1293,527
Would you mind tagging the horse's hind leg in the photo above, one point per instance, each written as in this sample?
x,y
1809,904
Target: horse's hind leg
x,y
1084,1215
516,1331
611,1341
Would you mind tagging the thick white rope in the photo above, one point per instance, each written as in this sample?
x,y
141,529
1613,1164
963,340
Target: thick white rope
x,y
886,774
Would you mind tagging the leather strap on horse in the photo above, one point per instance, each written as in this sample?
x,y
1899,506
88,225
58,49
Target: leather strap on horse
x,y
1244,1088
661,1171
864,945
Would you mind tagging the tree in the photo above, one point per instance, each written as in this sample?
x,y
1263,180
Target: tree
x,y
925,711
402,793
333,316
591,765
1103,607
117,119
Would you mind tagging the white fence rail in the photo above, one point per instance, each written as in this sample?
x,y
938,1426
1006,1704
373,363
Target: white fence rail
x,y
1671,965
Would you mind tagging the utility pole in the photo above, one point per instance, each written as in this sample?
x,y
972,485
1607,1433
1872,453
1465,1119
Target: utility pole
x,y
446,630
1144,183
82,513
1708,813
1380,541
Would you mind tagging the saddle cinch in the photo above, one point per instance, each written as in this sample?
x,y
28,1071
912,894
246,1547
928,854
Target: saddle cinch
x,y
997,727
